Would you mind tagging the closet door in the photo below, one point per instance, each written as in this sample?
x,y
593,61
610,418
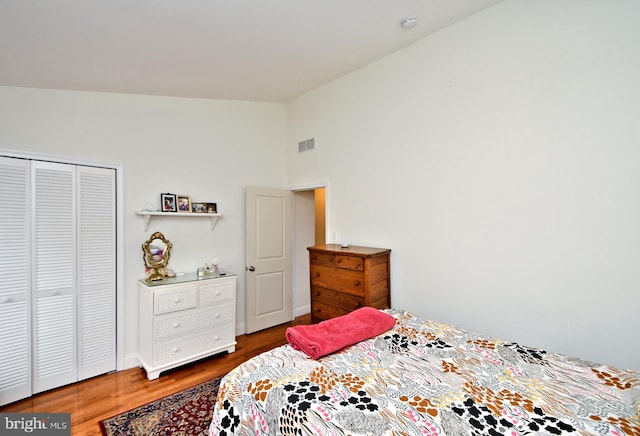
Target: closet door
x,y
54,275
15,302
96,271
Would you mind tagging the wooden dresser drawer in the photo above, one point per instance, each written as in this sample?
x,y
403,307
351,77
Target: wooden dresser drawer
x,y
341,299
321,311
321,259
338,279
349,262
178,298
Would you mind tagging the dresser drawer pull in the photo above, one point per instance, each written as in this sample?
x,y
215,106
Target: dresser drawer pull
x,y
217,292
314,257
339,261
176,325
357,282
217,315
177,299
317,274
217,338
176,350
357,304
317,293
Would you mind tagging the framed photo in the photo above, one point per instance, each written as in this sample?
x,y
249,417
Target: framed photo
x,y
199,207
212,208
168,202
184,203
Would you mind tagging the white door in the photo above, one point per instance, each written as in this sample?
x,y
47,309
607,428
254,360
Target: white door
x,y
96,304
15,301
268,258
54,275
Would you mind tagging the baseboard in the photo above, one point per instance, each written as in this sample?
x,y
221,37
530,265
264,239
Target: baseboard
x,y
131,361
302,310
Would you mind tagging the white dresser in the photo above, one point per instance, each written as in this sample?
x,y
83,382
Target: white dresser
x,y
184,319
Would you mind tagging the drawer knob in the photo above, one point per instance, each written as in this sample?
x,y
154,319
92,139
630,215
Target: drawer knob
x,y
318,310
176,350
317,293
357,282
217,338
217,292
317,274
177,300
314,257
217,315
176,325
339,261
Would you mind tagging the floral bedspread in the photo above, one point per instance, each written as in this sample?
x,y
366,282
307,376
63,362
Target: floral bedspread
x,y
426,378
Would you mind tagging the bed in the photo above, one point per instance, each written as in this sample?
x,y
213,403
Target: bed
x,y
423,377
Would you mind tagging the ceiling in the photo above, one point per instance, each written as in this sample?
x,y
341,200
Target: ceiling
x,y
257,50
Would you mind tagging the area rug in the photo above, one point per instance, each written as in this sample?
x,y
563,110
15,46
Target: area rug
x,y
185,413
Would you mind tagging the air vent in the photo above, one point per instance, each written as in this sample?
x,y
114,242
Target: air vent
x,y
306,145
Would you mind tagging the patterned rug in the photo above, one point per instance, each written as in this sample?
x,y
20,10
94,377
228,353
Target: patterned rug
x,y
185,413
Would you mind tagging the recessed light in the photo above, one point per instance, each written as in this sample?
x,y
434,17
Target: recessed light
x,y
408,23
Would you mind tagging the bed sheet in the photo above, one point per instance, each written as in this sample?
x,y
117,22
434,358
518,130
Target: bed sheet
x,y
423,377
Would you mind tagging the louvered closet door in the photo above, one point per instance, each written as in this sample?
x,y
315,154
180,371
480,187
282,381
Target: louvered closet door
x,y
15,356
96,275
54,275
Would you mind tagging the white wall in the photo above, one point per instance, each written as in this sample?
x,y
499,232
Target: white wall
x,y
207,149
500,160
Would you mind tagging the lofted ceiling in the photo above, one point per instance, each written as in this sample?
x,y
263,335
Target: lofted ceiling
x,y
257,50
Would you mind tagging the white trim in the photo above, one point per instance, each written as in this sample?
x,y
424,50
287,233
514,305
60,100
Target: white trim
x,y
120,357
119,169
327,203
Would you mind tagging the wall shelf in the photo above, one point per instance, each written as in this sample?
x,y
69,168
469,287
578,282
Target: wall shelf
x,y
147,214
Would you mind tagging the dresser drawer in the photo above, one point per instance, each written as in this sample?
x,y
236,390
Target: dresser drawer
x,y
335,298
349,262
192,320
174,299
185,347
216,291
321,259
338,279
321,311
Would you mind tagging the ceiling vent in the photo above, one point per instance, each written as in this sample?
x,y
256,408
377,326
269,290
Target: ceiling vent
x,y
306,145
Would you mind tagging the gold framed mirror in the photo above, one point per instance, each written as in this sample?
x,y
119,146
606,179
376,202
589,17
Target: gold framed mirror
x,y
155,254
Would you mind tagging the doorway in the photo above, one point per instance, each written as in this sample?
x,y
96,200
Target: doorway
x,y
310,228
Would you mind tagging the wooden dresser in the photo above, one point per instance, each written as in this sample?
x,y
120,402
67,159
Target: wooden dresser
x,y
345,279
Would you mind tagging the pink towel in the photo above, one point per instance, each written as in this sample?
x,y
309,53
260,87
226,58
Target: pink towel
x,y
318,340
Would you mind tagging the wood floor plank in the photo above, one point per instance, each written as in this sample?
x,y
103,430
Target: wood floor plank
x,y
91,401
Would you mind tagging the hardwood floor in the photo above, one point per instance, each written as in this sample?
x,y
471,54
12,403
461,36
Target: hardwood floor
x,y
91,401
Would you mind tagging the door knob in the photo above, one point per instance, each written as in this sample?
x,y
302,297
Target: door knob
x,y
252,268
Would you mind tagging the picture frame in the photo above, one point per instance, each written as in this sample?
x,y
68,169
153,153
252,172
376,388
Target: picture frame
x,y
184,204
212,208
199,207
168,202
